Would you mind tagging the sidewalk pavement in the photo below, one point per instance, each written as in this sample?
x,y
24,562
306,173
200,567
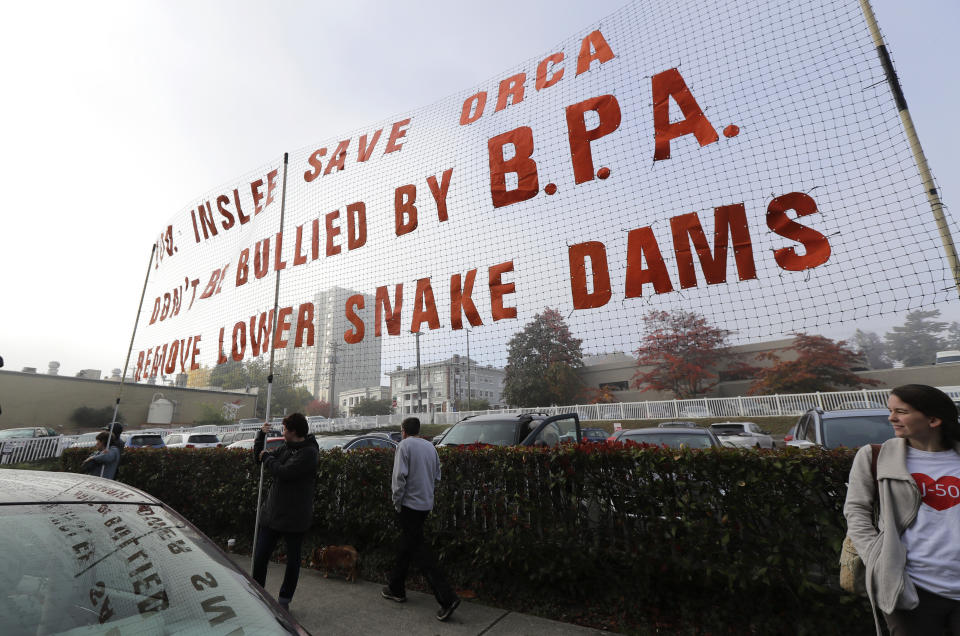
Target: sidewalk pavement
x,y
333,606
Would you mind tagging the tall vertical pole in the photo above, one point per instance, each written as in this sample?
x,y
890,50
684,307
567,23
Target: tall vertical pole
x,y
469,391
123,378
419,381
273,330
936,205
332,360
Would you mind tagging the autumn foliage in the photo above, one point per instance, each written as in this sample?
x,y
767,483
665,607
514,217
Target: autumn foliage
x,y
821,365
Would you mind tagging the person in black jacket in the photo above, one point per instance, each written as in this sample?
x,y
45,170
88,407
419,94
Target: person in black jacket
x,y
288,509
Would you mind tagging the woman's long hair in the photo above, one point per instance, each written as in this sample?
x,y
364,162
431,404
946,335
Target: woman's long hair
x,y
933,402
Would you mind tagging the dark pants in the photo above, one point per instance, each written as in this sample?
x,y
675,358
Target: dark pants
x,y
266,542
413,548
934,616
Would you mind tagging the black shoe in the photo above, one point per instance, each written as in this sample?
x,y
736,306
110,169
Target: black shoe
x,y
445,612
388,594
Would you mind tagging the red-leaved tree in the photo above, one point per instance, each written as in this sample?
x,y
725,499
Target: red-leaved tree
x,y
821,365
318,407
682,353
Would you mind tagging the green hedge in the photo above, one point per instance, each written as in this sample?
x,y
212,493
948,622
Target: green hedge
x,y
743,539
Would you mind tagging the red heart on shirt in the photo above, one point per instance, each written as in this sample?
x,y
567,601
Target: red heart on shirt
x,y
940,494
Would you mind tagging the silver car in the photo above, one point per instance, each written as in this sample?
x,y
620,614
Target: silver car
x,y
192,440
850,428
742,434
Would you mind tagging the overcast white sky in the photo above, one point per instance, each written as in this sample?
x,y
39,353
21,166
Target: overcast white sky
x,y
118,114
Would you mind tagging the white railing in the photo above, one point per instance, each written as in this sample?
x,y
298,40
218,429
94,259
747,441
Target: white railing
x,y
30,449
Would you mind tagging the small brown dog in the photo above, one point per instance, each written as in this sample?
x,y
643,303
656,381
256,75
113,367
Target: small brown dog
x,y
342,558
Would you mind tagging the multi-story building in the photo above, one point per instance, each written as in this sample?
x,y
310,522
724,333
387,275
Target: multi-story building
x,y
444,386
350,398
332,366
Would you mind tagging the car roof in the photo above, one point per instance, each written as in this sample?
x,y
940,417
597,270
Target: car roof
x,y
852,412
31,486
504,417
670,430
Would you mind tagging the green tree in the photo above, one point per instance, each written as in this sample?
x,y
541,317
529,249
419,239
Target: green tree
x,y
952,339
821,365
286,395
210,414
370,406
917,340
475,404
542,362
683,353
871,349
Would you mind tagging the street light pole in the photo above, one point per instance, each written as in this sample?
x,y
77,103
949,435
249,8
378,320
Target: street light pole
x,y
419,383
469,391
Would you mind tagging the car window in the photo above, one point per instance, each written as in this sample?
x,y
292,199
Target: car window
x,y
671,440
203,438
113,568
145,440
854,432
722,429
173,439
503,433
549,435
810,432
381,443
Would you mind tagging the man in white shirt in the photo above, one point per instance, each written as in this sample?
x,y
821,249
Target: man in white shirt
x,y
416,469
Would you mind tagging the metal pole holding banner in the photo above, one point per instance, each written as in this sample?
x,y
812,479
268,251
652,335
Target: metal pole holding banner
x,y
273,330
123,378
419,381
936,205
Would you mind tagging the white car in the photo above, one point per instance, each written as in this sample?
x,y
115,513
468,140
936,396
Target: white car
x,y
742,434
192,440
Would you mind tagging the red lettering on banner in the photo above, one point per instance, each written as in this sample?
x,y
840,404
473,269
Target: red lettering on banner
x,y
207,224
687,226
228,218
271,186
257,196
669,84
577,256
355,335
221,358
382,309
298,257
357,225
473,108
261,258
283,326
339,157
608,110
216,282
815,244
440,192
185,351
520,164
260,333
194,363
236,202
593,48
512,87
461,301
364,151
304,326
137,372
243,267
405,213
316,164
397,132
642,245
171,365
239,345
424,307
542,80
315,240
165,358
222,201
499,289
332,231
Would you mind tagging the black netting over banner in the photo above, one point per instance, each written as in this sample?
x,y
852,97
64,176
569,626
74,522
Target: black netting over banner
x,y
745,162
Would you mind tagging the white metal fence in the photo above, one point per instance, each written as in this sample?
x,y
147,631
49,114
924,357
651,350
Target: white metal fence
x,y
25,450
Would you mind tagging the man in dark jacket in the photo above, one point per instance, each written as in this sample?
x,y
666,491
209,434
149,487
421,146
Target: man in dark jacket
x,y
288,510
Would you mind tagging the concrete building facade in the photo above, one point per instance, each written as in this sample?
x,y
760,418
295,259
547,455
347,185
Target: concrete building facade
x,y
445,387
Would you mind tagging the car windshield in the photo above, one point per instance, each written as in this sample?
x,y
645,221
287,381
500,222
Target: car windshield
x,y
727,429
205,438
327,443
16,432
480,432
145,440
856,431
114,568
671,440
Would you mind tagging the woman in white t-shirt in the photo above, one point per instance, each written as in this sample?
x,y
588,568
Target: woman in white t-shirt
x,y
912,554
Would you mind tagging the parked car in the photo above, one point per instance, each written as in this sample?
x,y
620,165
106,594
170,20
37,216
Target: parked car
x,y
678,425
742,434
439,436
693,438
247,444
789,436
850,428
27,432
192,440
514,429
142,440
351,442
595,435
235,436
55,583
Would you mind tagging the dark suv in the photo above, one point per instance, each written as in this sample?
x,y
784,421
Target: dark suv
x,y
852,428
514,429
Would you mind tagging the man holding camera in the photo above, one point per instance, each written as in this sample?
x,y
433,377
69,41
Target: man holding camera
x,y
288,510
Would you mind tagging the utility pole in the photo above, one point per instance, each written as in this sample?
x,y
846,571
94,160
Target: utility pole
x,y
333,380
419,383
469,391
